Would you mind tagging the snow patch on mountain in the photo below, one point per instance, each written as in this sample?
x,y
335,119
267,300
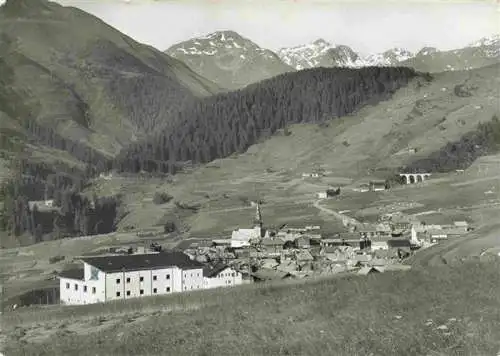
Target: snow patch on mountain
x,y
323,53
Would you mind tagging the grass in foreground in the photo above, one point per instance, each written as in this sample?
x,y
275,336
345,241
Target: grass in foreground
x,y
442,311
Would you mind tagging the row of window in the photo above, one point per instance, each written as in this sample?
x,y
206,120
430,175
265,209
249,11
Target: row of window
x,y
141,279
141,292
155,278
222,275
84,288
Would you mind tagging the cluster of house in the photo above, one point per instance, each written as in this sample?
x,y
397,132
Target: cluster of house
x,y
261,254
252,255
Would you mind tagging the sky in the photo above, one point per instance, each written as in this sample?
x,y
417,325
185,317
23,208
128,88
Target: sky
x,y
367,26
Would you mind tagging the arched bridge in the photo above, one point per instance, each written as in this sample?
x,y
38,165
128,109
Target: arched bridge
x,y
412,178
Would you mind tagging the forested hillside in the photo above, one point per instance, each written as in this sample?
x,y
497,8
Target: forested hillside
x,y
223,124
74,90
462,153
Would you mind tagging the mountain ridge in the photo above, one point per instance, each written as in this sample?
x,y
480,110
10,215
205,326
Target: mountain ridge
x,y
319,53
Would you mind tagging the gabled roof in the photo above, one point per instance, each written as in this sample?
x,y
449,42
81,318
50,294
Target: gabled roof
x,y
164,259
72,274
370,269
210,271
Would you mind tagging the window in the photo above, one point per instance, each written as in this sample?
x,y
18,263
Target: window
x,y
117,294
154,290
118,281
198,274
67,285
141,279
93,290
128,280
167,276
84,289
141,292
76,286
154,278
168,289
233,274
191,275
128,292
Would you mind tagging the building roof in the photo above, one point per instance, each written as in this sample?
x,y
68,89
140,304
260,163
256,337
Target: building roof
x,y
212,271
72,274
370,269
163,259
438,232
264,274
272,242
399,243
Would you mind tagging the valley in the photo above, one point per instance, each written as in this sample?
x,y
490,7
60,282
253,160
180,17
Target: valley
x,y
344,198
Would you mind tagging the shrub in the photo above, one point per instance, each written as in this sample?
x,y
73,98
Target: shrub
x,y
161,198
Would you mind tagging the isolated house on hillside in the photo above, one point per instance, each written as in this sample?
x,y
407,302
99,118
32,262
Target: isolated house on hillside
x,y
377,185
321,195
110,278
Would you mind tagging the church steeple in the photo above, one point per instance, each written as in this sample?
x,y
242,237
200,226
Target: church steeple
x,y
258,216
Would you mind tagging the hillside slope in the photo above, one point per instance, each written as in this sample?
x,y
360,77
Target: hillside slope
x,y
228,59
68,75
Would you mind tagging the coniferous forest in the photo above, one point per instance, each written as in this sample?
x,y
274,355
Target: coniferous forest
x,y
223,124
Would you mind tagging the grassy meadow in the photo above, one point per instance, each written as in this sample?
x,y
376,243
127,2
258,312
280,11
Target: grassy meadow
x,y
448,310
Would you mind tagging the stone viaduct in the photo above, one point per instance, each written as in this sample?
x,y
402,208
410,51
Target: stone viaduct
x,y
412,178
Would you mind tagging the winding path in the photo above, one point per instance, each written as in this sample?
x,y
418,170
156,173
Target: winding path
x,y
346,220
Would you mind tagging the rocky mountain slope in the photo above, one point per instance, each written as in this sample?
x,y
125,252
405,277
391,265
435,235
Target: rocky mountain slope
x,y
228,59
73,88
321,53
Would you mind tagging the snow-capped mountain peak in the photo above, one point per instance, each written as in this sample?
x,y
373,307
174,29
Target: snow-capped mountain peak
x,y
493,40
316,54
228,58
322,53
387,58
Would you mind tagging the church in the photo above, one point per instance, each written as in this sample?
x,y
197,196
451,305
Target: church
x,y
244,237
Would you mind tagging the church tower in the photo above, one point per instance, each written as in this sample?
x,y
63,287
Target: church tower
x,y
258,224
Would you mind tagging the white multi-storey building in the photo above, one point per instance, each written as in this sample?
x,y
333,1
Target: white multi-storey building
x,y
122,277
221,276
